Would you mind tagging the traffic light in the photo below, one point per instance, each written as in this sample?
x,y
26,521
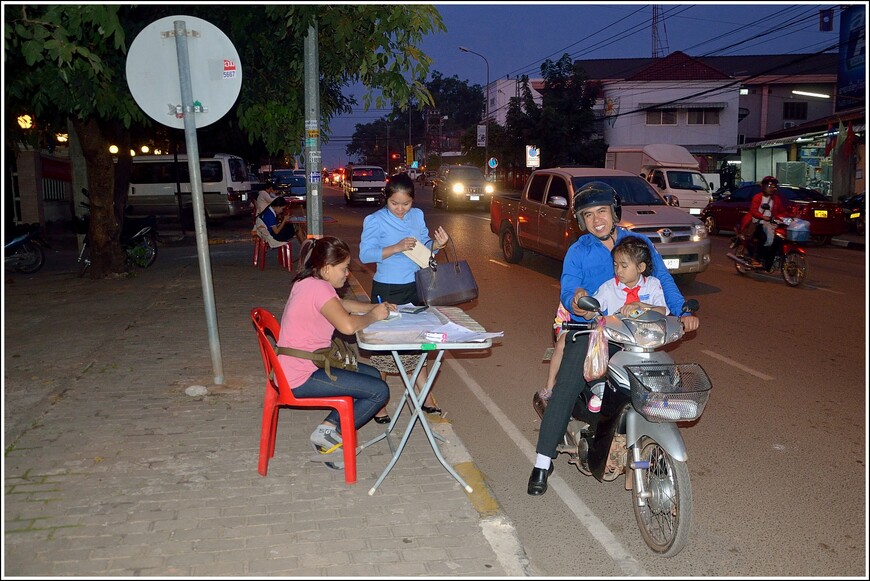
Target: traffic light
x,y
394,156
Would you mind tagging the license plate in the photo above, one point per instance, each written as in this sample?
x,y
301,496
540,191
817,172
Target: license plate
x,y
672,263
370,199
855,215
695,211
474,198
820,213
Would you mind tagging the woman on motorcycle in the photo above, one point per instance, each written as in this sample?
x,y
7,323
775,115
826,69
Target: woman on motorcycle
x,y
766,206
587,264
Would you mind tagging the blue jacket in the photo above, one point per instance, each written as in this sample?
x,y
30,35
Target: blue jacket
x,y
381,229
588,263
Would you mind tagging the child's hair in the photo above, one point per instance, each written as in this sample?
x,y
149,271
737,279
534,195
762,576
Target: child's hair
x,y
635,250
400,182
320,252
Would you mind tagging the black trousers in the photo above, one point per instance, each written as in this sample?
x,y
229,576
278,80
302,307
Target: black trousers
x,y
569,384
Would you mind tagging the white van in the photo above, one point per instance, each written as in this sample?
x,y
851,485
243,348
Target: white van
x,y
225,186
364,183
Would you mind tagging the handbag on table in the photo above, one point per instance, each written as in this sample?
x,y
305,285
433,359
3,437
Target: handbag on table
x,y
447,284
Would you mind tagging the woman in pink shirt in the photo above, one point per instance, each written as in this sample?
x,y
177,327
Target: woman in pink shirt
x,y
312,314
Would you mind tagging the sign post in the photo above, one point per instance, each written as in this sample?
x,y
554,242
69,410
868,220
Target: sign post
x,y
204,93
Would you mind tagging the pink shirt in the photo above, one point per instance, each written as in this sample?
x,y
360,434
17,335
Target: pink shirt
x,y
304,327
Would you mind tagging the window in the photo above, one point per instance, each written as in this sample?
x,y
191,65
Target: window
x,y
703,116
661,117
537,187
558,187
794,110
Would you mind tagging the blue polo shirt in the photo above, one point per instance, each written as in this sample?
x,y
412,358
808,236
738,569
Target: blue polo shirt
x,y
381,229
588,263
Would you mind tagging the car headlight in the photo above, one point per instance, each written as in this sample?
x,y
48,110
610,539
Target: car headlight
x,y
489,189
458,188
699,232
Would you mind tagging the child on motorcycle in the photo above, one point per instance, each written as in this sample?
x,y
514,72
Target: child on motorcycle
x,y
630,292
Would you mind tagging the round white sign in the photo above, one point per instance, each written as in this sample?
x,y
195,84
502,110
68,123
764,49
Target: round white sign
x,y
215,72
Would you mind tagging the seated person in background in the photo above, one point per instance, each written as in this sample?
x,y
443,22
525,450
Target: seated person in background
x,y
273,224
265,197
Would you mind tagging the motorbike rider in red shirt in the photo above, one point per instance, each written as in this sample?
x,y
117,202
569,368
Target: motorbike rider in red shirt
x,y
766,206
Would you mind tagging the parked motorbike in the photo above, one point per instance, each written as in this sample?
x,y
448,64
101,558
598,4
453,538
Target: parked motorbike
x,y
138,239
790,258
24,252
636,433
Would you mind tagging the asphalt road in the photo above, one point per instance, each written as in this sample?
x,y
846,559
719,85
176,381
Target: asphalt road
x,y
778,461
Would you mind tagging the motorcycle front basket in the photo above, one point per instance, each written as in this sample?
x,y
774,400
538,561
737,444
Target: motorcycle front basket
x,y
669,392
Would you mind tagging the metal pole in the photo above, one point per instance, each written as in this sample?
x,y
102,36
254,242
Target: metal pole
x,y
486,109
196,194
312,133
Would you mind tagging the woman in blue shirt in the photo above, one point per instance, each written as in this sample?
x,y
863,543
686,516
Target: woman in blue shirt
x,y
387,233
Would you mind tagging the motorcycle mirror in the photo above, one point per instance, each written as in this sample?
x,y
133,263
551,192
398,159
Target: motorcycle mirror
x,y
691,306
588,303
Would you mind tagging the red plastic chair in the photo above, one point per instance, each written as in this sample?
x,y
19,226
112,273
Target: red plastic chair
x,y
279,394
285,253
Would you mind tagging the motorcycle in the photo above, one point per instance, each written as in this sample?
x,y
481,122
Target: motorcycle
x,y
635,432
789,259
24,253
853,208
138,239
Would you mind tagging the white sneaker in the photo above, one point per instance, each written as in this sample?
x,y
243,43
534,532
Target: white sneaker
x,y
594,404
325,439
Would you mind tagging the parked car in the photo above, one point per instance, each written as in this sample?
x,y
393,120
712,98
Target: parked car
x,y
826,218
853,207
457,185
290,185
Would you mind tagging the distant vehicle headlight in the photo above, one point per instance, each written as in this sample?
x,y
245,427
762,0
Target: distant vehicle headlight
x,y
458,188
489,189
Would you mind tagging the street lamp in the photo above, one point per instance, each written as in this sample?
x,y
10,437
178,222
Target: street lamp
x,y
486,121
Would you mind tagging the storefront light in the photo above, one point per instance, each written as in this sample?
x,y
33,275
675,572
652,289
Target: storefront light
x,y
113,149
808,94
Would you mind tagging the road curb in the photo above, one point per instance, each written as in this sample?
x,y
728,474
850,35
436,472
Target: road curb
x,y
497,528
851,244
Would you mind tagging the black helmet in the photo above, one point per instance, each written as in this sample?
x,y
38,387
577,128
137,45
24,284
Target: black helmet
x,y
596,194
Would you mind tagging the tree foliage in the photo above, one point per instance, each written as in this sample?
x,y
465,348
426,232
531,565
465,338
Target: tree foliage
x,y
68,61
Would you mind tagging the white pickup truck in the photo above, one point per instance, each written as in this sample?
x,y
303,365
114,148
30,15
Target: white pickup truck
x,y
670,168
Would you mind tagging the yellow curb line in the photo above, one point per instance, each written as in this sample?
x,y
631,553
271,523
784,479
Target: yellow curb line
x,y
481,499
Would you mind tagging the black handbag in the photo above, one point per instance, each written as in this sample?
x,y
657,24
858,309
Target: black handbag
x,y
446,284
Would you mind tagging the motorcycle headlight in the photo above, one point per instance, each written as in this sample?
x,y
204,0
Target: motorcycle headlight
x,y
458,188
648,334
699,232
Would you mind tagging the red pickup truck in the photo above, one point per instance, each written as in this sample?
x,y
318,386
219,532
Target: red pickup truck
x,y
541,218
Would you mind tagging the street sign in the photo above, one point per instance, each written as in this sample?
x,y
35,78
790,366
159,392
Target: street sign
x,y
153,75
533,156
481,135
492,163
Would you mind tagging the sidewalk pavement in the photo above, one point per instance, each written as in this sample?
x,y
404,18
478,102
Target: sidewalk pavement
x,y
115,467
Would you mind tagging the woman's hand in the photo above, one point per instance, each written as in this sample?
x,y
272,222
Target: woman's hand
x,y
381,311
441,238
404,244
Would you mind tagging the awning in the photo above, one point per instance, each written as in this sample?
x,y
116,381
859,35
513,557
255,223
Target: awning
x,y
685,105
793,138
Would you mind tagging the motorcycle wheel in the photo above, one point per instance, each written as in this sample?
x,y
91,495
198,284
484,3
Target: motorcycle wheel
x,y
666,517
144,253
794,269
30,258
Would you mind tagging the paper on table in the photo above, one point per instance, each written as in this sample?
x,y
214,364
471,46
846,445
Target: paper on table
x,y
459,334
419,254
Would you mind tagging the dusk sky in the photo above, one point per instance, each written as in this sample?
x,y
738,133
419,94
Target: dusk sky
x,y
517,37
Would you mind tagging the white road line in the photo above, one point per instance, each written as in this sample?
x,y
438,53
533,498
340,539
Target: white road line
x,y
621,557
731,362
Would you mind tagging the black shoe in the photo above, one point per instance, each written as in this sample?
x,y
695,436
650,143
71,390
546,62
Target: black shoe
x,y
430,409
538,480
384,419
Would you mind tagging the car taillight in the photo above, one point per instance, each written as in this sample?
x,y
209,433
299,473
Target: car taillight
x,y
232,195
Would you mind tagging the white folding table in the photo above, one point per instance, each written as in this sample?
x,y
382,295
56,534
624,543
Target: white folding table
x,y
380,341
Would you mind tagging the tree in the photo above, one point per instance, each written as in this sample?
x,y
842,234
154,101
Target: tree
x,y
460,102
68,61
